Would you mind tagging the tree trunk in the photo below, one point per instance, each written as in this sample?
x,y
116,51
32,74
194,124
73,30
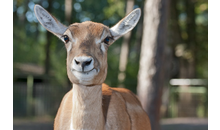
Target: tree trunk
x,y
187,65
191,31
151,75
68,11
137,44
124,49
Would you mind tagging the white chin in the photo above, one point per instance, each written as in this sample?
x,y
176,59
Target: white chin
x,y
85,77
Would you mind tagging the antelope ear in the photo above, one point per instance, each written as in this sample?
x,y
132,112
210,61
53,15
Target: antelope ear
x,y
49,22
126,24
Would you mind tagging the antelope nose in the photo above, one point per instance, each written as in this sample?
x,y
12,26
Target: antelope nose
x,y
85,63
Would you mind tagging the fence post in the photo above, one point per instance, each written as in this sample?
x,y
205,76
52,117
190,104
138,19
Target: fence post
x,y
30,82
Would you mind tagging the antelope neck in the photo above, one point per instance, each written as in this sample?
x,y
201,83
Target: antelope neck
x,y
87,107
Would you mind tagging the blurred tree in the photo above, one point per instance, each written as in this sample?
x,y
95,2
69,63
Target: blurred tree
x,y
47,63
151,75
27,28
189,26
188,38
68,11
124,49
187,60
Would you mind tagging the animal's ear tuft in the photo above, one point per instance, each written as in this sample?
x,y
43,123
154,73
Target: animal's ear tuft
x,y
126,24
48,21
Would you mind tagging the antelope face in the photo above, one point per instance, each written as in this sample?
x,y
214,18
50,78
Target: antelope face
x,y
87,44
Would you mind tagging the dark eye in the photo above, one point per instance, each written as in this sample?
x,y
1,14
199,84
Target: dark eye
x,y
66,38
106,40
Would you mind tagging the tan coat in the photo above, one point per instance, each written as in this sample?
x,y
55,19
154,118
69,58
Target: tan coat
x,y
120,110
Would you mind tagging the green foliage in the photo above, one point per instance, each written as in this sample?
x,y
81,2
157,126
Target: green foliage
x,y
195,45
117,7
29,37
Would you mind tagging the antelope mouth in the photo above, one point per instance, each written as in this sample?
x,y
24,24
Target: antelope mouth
x,y
85,72
85,76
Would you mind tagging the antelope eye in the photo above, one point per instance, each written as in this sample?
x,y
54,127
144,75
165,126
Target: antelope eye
x,y
106,40
66,38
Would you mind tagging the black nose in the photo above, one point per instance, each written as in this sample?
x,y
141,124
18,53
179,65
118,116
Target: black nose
x,y
77,62
86,63
83,63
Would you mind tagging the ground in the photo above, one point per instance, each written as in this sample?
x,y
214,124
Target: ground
x,y
166,124
184,124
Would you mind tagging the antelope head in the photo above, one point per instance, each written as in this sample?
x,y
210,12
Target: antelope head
x,y
87,44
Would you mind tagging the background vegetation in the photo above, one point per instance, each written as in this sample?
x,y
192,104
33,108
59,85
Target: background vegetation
x,y
29,37
41,57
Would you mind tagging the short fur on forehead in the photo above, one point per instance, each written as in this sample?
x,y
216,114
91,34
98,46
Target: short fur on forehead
x,y
89,31
48,21
95,28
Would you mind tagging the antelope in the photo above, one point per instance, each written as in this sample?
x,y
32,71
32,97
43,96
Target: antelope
x,y
91,104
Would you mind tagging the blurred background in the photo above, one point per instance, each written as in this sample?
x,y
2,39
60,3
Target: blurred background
x,y
164,59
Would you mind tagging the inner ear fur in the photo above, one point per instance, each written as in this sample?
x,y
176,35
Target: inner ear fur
x,y
126,24
48,21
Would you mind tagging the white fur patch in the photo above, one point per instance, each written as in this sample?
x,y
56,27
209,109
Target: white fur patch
x,y
71,123
85,77
115,32
103,47
97,41
69,47
78,67
72,40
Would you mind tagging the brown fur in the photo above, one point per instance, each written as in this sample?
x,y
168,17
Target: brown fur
x,y
86,33
119,108
90,104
